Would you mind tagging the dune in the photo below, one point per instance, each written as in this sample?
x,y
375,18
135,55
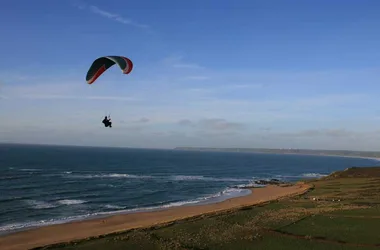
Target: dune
x,y
77,230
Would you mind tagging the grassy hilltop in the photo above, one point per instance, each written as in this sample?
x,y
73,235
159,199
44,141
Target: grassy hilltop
x,y
341,211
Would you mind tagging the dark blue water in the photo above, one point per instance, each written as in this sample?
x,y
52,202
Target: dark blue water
x,y
42,185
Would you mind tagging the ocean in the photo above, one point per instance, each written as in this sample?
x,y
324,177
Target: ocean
x,y
41,185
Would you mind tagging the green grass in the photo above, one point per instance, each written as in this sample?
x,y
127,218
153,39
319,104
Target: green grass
x,y
368,213
292,223
352,230
283,242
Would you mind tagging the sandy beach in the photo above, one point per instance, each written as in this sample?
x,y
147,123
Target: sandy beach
x,y
83,229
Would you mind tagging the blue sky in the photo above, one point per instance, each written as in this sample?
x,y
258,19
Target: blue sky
x,y
247,73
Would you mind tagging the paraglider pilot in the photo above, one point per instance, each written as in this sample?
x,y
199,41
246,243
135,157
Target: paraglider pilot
x,y
107,122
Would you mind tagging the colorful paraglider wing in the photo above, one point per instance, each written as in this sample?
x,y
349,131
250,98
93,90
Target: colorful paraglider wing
x,y
103,63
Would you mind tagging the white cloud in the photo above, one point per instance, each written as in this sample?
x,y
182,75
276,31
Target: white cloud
x,y
325,138
217,88
249,100
187,65
114,98
143,120
290,102
13,77
54,91
330,99
177,61
105,98
196,78
186,122
333,132
113,16
212,124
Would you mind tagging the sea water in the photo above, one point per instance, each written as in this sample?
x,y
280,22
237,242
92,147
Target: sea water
x,y
41,185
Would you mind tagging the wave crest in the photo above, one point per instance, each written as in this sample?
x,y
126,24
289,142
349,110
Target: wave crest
x,y
170,177
313,175
112,175
203,178
71,202
38,204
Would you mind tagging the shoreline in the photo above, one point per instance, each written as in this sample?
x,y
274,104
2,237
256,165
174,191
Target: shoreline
x,y
215,198
77,230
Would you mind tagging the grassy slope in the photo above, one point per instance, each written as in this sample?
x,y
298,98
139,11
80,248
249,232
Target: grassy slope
x,y
293,223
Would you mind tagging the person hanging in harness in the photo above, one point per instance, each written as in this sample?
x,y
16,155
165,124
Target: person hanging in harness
x,y
107,122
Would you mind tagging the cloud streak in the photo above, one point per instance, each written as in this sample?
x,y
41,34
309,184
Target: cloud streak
x,y
63,97
211,124
187,65
196,78
320,132
142,120
185,122
112,16
219,124
176,61
67,90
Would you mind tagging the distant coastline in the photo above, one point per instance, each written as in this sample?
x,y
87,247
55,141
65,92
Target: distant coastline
x,y
375,155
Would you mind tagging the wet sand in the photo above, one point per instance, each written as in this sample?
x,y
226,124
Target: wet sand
x,y
83,229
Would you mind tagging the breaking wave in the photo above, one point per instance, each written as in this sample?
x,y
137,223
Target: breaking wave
x,y
170,177
69,202
113,175
203,178
109,206
38,204
314,175
304,175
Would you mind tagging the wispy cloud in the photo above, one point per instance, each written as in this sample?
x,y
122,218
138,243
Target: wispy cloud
x,y
187,65
113,98
330,99
290,103
113,16
57,91
177,61
267,129
340,132
212,124
33,88
10,77
222,87
57,97
143,120
186,122
196,78
219,124
244,86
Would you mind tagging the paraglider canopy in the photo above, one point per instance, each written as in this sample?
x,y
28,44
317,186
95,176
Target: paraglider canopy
x,y
100,65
